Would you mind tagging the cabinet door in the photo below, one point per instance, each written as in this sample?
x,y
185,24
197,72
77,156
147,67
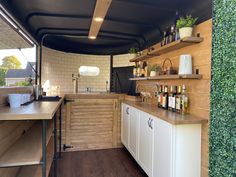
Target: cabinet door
x,y
133,131
125,125
162,149
145,142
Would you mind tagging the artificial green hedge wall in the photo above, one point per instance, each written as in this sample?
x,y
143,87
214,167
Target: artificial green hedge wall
x,y
223,91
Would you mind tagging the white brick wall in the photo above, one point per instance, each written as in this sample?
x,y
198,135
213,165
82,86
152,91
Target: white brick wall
x,y
122,60
57,68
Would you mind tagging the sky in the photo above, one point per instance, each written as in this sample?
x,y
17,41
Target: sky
x,y
30,54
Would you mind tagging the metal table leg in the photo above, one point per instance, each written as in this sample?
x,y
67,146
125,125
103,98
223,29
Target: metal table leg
x,y
44,146
60,137
55,145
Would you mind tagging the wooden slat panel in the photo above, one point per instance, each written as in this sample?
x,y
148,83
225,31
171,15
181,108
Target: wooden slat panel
x,y
90,124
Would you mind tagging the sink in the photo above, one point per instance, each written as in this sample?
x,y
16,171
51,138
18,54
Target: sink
x,y
50,98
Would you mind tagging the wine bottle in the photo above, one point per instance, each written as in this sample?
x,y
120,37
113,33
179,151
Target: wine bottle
x,y
174,98
165,98
170,97
178,100
160,96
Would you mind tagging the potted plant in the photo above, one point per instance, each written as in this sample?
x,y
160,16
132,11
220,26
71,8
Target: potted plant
x,y
154,70
185,26
133,51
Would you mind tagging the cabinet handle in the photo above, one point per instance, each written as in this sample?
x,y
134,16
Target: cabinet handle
x,y
127,111
151,122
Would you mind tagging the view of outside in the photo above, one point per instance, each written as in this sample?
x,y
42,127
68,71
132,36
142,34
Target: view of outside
x,y
16,67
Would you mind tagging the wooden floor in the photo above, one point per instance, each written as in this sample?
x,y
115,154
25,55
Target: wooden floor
x,y
99,163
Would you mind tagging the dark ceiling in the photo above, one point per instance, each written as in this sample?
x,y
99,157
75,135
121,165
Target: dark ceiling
x,y
128,23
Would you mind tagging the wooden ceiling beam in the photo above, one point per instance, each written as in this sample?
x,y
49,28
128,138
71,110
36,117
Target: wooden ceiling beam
x,y
99,15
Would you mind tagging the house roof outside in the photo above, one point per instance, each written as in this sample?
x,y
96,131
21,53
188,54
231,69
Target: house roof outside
x,y
21,73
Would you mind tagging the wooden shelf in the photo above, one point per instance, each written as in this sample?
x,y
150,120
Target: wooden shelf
x,y
28,149
36,170
138,78
169,77
170,47
142,57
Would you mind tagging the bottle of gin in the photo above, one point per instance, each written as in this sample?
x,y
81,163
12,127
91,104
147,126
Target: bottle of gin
x,y
184,101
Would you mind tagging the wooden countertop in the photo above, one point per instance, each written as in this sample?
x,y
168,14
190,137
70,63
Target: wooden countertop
x,y
165,115
38,110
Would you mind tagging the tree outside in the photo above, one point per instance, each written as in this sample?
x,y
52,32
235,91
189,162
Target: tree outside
x,y
3,72
11,62
8,62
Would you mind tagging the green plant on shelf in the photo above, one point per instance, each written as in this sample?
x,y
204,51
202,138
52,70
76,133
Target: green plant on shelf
x,y
133,50
154,68
187,21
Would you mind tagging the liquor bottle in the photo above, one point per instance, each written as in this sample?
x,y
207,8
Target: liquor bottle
x,y
178,98
135,70
167,36
144,69
160,96
172,34
184,101
177,37
139,69
165,98
170,97
174,98
163,42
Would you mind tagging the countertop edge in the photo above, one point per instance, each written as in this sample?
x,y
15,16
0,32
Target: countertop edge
x,y
170,117
43,116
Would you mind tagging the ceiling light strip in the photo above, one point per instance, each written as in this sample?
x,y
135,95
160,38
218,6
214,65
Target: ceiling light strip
x,y
4,15
99,15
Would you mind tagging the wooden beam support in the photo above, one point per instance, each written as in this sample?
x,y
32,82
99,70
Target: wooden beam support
x,y
99,14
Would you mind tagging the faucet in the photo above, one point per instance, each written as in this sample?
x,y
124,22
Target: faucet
x,y
137,88
75,80
107,90
88,89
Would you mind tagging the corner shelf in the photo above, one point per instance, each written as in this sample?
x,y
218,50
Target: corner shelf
x,y
36,170
28,149
169,47
169,77
142,57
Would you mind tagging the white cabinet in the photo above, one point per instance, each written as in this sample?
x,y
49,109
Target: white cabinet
x,y
145,142
176,150
125,124
133,131
160,148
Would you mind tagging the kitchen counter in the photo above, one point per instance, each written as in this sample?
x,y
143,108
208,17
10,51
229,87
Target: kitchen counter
x,y
37,110
171,117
